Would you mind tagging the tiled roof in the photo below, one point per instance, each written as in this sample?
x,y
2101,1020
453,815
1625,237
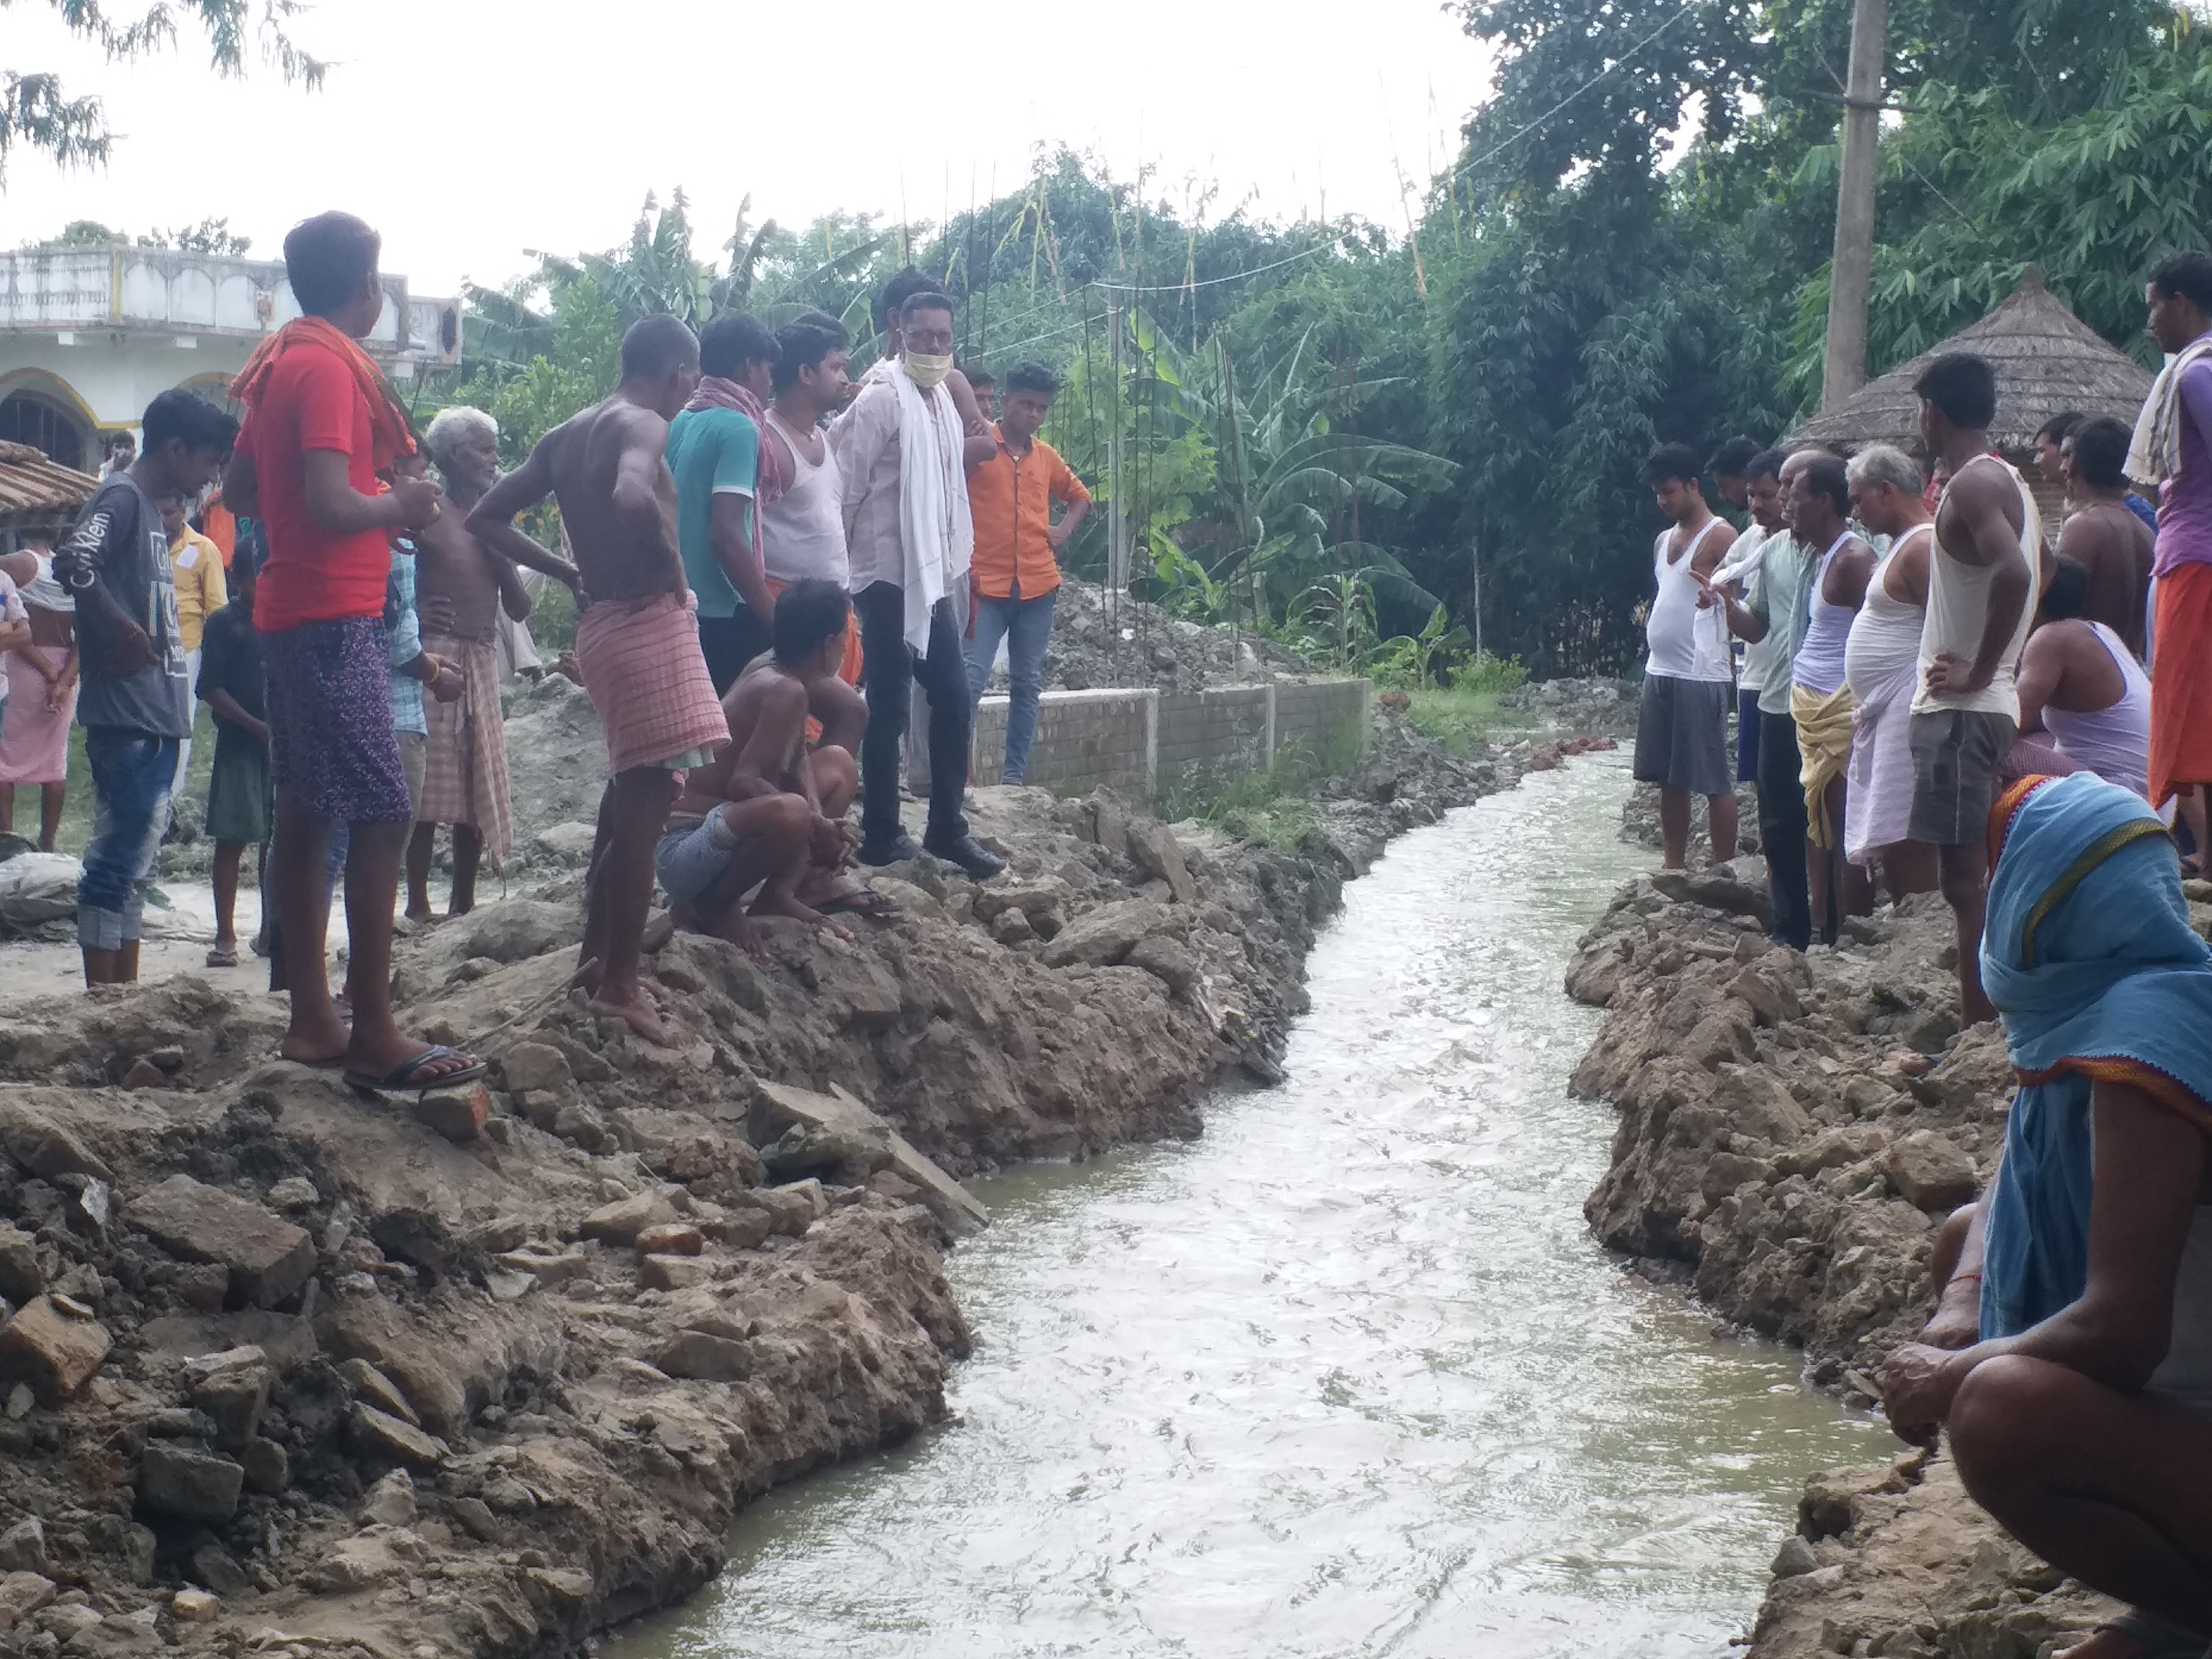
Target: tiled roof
x,y
33,486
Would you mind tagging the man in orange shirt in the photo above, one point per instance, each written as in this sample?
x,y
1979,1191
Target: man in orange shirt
x,y
1017,564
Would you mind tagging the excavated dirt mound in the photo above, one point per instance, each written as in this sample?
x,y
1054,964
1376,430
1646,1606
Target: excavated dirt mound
x,y
1775,1157
291,1371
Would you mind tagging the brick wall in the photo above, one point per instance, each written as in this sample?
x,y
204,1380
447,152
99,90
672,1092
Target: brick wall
x,y
1130,739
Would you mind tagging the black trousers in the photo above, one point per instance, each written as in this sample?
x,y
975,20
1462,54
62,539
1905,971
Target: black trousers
x,y
1781,829
729,643
888,678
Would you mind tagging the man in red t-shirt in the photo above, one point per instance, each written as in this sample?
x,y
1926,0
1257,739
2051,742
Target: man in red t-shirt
x,y
320,425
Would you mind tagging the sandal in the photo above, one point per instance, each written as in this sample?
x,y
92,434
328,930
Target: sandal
x,y
219,957
407,1076
862,901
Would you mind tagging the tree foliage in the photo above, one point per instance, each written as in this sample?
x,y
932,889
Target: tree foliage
x,y
1327,432
38,113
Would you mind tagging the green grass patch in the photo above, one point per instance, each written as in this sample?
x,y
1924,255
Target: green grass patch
x,y
1460,718
1264,805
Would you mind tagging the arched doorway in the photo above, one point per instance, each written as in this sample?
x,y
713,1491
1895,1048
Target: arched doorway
x,y
47,425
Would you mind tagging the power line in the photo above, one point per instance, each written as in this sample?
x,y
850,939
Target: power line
x,y
1494,151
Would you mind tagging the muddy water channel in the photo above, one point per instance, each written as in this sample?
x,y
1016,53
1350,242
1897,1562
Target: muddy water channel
x,y
1347,1376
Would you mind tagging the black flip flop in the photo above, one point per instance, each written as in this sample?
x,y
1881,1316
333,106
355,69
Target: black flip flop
x,y
406,1077
862,901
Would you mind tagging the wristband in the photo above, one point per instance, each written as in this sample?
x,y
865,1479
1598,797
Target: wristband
x,y
433,680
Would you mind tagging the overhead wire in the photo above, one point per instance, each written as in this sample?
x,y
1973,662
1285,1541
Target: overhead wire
x,y
1464,168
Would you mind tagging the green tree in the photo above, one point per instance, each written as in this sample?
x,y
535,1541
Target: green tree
x,y
38,113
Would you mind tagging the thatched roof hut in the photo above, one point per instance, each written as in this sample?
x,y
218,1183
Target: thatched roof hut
x,y
2048,362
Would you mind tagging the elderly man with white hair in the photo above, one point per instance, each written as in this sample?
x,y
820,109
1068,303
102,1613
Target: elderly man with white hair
x,y
461,586
1882,664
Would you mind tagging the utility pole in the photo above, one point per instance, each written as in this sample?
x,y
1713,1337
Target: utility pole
x,y
1851,271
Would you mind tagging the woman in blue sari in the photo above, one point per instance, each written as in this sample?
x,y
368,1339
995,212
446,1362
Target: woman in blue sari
x,y
2082,1419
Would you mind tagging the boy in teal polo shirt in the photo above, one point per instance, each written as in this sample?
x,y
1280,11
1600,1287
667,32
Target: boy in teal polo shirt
x,y
714,450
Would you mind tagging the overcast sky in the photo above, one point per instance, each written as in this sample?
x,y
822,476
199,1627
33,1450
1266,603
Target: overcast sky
x,y
472,131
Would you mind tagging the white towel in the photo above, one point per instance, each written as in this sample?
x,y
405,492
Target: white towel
x,y
2155,455
936,535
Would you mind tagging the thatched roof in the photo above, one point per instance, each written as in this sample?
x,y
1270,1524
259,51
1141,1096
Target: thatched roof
x,y
2048,360
37,493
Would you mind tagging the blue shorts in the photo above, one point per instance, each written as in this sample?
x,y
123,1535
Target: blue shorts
x,y
691,859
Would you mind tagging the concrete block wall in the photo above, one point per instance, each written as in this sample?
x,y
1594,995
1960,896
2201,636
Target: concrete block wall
x,y
1131,740
1086,740
1322,722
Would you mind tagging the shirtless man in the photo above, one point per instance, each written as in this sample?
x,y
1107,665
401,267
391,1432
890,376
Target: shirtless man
x,y
767,812
2102,534
637,642
461,585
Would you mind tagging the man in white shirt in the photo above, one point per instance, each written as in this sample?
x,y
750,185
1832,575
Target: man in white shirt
x,y
901,454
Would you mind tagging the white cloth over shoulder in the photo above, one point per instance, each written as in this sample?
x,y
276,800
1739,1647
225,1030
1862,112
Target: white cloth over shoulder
x,y
937,534
2155,455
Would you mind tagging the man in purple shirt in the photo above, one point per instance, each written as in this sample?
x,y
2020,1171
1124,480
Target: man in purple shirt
x,y
2174,450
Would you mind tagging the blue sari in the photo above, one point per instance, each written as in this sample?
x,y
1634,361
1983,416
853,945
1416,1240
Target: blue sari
x,y
2089,954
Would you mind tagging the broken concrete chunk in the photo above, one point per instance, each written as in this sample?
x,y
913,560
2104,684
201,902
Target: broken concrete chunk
x,y
1931,1170
21,1595
294,1192
672,1273
505,1232
670,1238
776,1105
391,1501
548,1270
175,1478
1166,962
268,1466
373,1386
194,1607
379,1434
705,1358
19,1277
23,1547
45,1144
536,1066
621,1221
232,1390
457,1114
1158,853
268,1257
1107,935
56,1352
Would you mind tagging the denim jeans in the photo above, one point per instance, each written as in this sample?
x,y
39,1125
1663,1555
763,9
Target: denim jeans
x,y
889,679
132,774
1026,627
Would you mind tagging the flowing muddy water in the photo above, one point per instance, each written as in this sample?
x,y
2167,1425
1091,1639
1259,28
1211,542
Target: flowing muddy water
x,y
1347,1376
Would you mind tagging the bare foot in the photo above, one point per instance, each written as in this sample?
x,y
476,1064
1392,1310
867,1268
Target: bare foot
x,y
638,1012
786,905
736,927
422,915
317,1045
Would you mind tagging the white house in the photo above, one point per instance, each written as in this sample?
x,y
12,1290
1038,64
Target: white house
x,y
89,334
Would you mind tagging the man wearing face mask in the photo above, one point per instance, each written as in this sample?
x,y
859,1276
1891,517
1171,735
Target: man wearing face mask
x,y
901,452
